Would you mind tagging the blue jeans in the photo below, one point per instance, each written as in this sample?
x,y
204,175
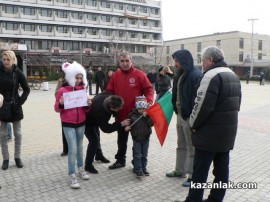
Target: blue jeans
x,y
202,162
140,153
9,130
74,138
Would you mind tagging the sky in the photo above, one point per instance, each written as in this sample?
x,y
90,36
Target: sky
x,y
189,18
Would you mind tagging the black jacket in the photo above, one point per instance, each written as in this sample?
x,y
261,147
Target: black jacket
x,y
188,85
6,89
100,114
163,84
100,77
215,114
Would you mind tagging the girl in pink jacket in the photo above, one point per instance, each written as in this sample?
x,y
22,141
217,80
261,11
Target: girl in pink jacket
x,y
73,120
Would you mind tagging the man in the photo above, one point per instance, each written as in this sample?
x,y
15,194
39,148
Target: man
x,y
214,121
99,78
103,107
127,82
183,95
89,74
152,76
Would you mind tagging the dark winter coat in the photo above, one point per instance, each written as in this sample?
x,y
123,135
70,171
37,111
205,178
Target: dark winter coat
x,y
6,89
100,77
214,118
188,85
163,84
141,130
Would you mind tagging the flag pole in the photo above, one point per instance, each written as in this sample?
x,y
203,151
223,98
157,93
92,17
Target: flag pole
x,y
136,121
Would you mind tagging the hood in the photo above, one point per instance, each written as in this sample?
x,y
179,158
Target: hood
x,y
185,58
71,70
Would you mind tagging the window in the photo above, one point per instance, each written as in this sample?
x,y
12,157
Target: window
x,y
43,45
61,44
92,31
168,49
131,7
62,1
30,44
75,46
108,5
10,9
62,14
259,56
144,35
78,2
241,43
11,26
29,27
121,33
91,3
29,11
46,12
77,30
154,11
199,58
92,17
45,28
182,46
143,9
199,47
120,20
132,21
156,36
132,35
108,18
121,6
241,56
62,29
144,22
77,15
155,23
260,45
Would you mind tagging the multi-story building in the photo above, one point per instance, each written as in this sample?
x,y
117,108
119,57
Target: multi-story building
x,y
237,46
55,31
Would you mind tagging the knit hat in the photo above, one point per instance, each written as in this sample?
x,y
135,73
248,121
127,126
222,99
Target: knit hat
x,y
71,70
141,102
1,100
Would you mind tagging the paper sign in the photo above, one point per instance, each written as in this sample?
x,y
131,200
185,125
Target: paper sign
x,y
75,99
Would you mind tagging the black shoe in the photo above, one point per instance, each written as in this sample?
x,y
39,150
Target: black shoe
x,y
5,164
132,162
146,173
91,169
102,159
139,174
18,162
64,153
117,164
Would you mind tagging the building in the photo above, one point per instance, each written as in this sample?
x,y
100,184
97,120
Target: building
x,y
45,33
236,46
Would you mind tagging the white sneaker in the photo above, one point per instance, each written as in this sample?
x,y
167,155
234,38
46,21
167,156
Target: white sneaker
x,y
73,182
82,174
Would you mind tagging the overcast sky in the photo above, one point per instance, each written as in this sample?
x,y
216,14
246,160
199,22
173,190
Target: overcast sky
x,y
188,18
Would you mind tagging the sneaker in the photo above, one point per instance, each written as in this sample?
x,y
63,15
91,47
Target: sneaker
x,y
139,174
116,165
82,174
174,173
73,182
146,173
187,183
64,154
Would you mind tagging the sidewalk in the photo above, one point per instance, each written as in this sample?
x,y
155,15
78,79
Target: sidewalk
x,y
44,176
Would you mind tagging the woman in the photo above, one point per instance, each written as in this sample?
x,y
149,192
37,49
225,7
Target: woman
x,y
73,120
11,77
107,79
163,83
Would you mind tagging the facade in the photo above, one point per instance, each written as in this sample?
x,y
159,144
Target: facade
x,y
58,30
236,46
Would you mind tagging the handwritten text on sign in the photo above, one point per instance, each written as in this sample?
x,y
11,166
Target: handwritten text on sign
x,y
75,99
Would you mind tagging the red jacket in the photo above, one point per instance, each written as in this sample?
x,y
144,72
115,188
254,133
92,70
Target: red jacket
x,y
130,84
74,115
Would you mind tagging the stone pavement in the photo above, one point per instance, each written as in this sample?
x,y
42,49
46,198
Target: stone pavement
x,y
44,176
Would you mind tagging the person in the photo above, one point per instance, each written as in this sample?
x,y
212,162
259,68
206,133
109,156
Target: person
x,y
89,74
11,77
1,100
168,71
127,82
183,95
99,79
248,77
163,83
60,82
262,78
152,76
104,105
73,119
214,121
140,132
107,79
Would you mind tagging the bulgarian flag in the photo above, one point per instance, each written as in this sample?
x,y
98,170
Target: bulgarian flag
x,y
161,114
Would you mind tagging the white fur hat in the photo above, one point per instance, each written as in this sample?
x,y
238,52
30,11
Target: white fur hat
x,y
71,70
1,100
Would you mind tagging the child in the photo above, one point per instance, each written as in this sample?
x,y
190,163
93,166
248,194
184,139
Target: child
x,y
140,132
73,120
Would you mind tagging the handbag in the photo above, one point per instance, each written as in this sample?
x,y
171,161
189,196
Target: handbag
x,y
5,110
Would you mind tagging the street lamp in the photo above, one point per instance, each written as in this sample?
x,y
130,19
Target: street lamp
x,y
251,54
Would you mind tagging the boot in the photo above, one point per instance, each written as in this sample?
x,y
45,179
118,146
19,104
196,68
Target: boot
x,y
18,162
5,164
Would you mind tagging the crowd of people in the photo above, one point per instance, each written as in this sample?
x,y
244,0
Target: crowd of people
x,y
200,101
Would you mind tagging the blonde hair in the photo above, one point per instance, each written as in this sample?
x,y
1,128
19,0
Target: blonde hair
x,y
167,70
10,55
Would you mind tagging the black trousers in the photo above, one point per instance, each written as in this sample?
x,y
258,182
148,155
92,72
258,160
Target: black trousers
x,y
94,148
99,85
202,162
122,140
64,140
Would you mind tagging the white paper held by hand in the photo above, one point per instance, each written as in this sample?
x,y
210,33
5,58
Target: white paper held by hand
x,y
75,99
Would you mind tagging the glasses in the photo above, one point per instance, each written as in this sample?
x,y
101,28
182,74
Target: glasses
x,y
124,60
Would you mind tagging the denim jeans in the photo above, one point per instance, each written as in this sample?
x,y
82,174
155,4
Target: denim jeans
x,y
9,130
74,138
140,153
202,162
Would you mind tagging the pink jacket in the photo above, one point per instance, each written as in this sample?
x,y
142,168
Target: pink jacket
x,y
75,115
